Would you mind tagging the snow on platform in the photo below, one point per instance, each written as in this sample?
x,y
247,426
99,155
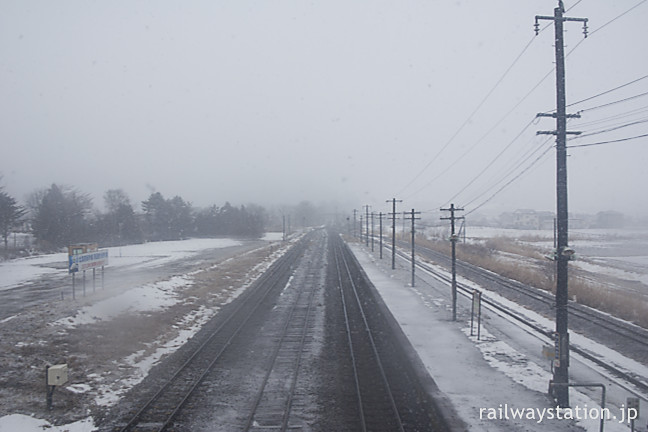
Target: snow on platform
x,y
489,382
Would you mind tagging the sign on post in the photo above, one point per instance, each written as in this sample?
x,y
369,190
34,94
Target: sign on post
x,y
87,261
82,257
476,310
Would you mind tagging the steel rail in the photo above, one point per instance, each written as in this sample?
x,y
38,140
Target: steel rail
x,y
340,249
626,330
268,280
274,356
498,308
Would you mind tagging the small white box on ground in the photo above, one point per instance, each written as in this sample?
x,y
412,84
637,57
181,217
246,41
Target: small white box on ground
x,y
57,375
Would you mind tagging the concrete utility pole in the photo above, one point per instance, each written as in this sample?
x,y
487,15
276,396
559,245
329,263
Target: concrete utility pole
x,y
380,218
563,253
372,231
361,228
453,239
393,215
413,218
367,223
284,228
355,213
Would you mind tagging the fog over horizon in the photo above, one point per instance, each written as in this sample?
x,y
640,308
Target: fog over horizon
x,y
341,102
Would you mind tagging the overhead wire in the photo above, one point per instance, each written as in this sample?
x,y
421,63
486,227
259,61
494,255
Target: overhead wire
x,y
495,159
637,96
608,142
470,116
605,25
581,101
607,91
611,129
521,161
614,117
535,161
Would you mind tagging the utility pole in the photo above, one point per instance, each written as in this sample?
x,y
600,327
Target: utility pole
x,y
413,218
284,227
355,213
563,252
367,223
361,228
372,231
380,218
453,239
393,214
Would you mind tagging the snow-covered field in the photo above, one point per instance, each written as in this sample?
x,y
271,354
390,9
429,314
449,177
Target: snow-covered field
x,y
621,254
23,270
149,298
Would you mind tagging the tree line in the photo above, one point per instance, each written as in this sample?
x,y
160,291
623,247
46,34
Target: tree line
x,y
59,215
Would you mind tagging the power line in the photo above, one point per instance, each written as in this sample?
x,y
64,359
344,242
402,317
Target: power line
x,y
520,162
496,158
470,116
510,181
608,142
640,95
608,91
625,125
608,119
616,18
605,25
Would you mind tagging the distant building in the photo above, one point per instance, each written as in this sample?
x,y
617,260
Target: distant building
x,y
526,219
610,219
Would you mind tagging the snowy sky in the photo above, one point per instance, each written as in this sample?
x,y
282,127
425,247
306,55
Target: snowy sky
x,y
359,102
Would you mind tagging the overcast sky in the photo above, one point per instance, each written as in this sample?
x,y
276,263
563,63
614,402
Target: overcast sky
x,y
354,101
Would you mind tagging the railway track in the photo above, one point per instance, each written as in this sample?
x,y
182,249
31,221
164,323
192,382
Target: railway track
x,y
631,334
376,405
540,301
393,389
159,410
275,361
272,407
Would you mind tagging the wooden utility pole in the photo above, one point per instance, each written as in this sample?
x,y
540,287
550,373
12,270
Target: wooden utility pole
x,y
413,218
453,239
393,215
563,253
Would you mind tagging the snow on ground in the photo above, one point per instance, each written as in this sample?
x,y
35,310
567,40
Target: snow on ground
x,y
23,423
146,298
612,271
110,393
23,270
486,380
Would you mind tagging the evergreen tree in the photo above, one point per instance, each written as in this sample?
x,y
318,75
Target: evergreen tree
x,y
10,215
59,217
119,225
